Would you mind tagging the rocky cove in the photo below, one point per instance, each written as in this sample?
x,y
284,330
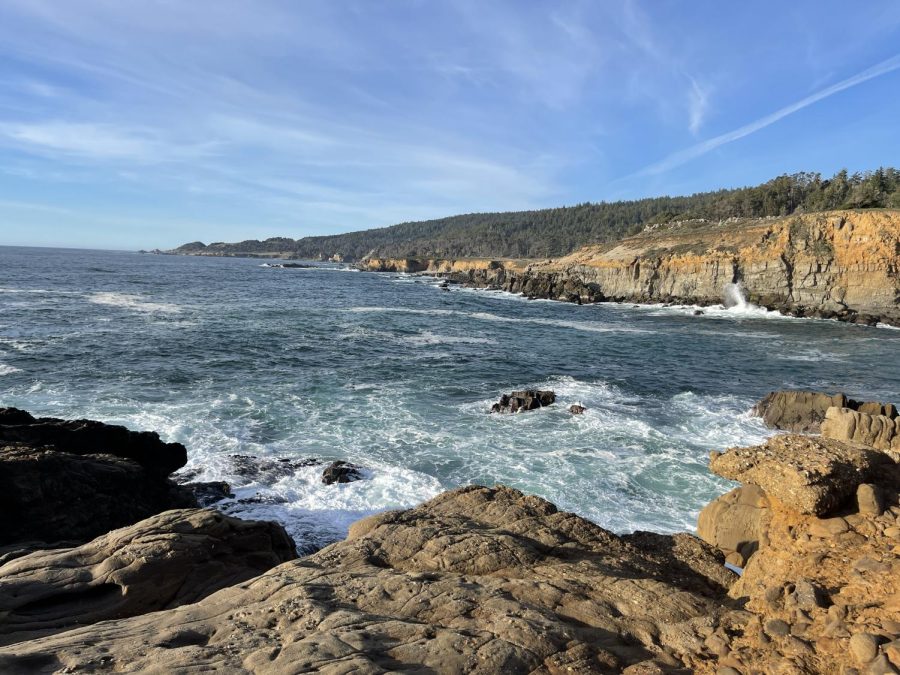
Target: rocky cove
x,y
842,265
99,576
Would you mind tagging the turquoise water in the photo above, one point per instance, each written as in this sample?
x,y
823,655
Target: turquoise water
x,y
390,372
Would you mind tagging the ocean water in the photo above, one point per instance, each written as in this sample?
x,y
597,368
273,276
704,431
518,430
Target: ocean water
x,y
392,373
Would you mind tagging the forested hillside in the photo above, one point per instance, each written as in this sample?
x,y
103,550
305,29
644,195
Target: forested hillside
x,y
555,232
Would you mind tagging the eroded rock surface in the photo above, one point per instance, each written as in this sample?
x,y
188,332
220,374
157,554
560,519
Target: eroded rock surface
x,y
477,580
808,474
171,559
799,411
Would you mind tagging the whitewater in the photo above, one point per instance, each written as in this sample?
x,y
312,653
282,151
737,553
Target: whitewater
x,y
397,375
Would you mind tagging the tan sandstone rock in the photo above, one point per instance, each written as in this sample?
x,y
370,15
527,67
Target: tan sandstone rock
x,y
843,424
171,559
810,475
477,580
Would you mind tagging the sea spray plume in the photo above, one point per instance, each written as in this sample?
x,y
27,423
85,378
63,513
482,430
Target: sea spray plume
x,y
735,297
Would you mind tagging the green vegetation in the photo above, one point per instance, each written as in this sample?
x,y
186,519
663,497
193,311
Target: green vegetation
x,y
555,232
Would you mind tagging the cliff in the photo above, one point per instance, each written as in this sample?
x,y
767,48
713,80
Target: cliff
x,y
838,264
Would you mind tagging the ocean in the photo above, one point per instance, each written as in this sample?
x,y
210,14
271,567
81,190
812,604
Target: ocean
x,y
390,372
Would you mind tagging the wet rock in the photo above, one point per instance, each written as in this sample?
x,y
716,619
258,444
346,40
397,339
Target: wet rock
x,y
267,470
699,312
171,559
341,472
577,409
209,493
88,437
528,399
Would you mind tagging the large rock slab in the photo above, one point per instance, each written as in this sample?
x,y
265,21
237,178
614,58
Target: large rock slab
x,y
172,559
89,437
52,496
477,580
808,474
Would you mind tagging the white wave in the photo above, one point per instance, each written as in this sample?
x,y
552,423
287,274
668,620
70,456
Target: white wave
x,y
428,338
134,303
887,326
8,370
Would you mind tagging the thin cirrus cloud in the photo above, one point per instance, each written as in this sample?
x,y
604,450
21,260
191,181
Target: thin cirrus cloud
x,y
683,156
278,118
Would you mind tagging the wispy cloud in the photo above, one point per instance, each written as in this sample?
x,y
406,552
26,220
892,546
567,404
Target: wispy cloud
x,y
688,154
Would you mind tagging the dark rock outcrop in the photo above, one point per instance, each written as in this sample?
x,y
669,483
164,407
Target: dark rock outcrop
x,y
528,399
59,496
171,559
577,409
88,437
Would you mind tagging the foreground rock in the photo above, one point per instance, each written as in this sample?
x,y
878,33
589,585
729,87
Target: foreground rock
x,y
172,559
805,411
50,496
477,580
529,399
88,437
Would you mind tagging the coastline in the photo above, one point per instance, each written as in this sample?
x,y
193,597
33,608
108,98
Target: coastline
x,y
837,265
484,579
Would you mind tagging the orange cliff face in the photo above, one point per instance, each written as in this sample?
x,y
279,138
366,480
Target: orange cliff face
x,y
839,264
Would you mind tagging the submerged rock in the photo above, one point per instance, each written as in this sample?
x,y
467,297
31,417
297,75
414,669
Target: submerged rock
x,y
529,399
576,409
171,559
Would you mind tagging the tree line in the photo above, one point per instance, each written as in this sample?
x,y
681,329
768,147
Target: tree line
x,y
557,231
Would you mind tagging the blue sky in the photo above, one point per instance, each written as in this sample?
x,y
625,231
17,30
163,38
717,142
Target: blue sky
x,y
127,124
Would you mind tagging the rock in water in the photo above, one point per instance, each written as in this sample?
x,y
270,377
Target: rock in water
x,y
171,559
341,472
528,399
577,409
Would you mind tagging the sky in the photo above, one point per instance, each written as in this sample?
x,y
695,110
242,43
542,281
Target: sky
x,y
128,124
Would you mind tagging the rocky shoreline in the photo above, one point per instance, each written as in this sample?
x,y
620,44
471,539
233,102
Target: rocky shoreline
x,y
839,265
478,579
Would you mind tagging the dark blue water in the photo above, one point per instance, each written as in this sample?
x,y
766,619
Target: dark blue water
x,y
392,373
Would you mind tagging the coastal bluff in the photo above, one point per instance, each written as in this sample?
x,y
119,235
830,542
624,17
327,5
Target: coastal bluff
x,y
839,264
489,579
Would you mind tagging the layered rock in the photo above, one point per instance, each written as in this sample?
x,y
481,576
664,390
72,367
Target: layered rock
x,y
878,431
171,559
842,265
477,580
